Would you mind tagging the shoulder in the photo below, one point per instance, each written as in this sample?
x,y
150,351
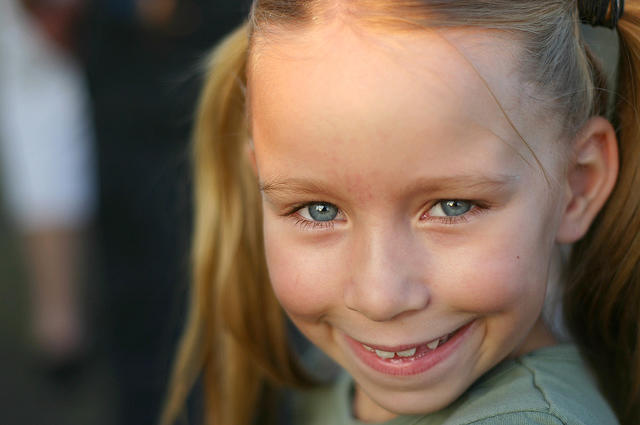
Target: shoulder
x,y
549,386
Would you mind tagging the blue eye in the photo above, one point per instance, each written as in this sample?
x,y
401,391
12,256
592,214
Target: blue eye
x,y
450,208
319,211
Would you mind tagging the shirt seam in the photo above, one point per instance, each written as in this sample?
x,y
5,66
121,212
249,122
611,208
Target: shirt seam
x,y
540,389
535,384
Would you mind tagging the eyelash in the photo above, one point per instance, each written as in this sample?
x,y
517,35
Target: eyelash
x,y
314,225
304,224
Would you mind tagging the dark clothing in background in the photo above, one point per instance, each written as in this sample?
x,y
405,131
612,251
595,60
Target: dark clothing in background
x,y
144,82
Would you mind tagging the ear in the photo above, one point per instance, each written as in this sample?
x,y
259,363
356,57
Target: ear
x,y
591,176
250,154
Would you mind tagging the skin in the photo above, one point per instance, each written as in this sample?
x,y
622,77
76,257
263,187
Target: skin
x,y
385,148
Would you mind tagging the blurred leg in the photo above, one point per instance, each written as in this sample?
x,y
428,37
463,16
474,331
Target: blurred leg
x,y
57,265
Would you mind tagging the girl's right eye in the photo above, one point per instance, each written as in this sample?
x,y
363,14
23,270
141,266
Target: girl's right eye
x,y
316,215
319,212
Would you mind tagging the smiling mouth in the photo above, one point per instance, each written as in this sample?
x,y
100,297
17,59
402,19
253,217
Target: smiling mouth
x,y
406,360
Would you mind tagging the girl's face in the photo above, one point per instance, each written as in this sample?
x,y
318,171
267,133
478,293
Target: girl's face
x,y
408,228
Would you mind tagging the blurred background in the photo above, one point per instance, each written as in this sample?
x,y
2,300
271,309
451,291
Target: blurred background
x,y
96,105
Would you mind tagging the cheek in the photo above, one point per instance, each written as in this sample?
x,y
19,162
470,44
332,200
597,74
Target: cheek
x,y
496,274
303,279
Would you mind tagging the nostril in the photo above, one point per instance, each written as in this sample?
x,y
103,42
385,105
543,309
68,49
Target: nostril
x,y
381,304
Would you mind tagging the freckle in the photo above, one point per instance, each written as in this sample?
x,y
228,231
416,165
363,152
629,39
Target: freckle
x,y
518,257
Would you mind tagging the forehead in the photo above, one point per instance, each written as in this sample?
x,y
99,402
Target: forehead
x,y
346,92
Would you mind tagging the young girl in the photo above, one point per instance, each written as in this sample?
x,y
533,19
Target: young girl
x,y
400,178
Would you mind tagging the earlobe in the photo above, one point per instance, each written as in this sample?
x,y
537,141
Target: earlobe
x,y
591,176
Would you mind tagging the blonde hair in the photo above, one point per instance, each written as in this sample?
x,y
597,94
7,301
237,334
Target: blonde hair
x,y
235,338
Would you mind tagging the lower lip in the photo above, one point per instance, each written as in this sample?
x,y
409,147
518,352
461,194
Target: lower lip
x,y
412,365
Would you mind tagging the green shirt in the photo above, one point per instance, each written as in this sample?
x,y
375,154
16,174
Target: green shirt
x,y
548,386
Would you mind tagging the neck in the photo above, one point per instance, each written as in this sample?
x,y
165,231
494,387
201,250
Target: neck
x,y
367,410
539,337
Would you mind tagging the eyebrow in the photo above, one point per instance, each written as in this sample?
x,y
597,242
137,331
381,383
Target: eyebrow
x,y
490,183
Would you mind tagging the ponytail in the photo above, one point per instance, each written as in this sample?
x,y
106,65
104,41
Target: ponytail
x,y
235,336
602,296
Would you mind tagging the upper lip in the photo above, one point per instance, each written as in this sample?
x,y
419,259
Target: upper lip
x,y
404,347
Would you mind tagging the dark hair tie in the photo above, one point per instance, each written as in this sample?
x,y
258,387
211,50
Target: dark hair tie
x,y
597,13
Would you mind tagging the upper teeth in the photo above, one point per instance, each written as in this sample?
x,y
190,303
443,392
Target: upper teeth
x,y
385,354
406,353
391,354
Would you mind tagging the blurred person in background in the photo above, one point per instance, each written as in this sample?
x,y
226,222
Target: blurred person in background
x,y
142,58
47,170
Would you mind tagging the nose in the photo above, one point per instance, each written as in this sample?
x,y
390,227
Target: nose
x,y
388,278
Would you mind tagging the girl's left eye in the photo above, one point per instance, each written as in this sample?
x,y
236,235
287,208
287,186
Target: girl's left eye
x,y
451,211
450,208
